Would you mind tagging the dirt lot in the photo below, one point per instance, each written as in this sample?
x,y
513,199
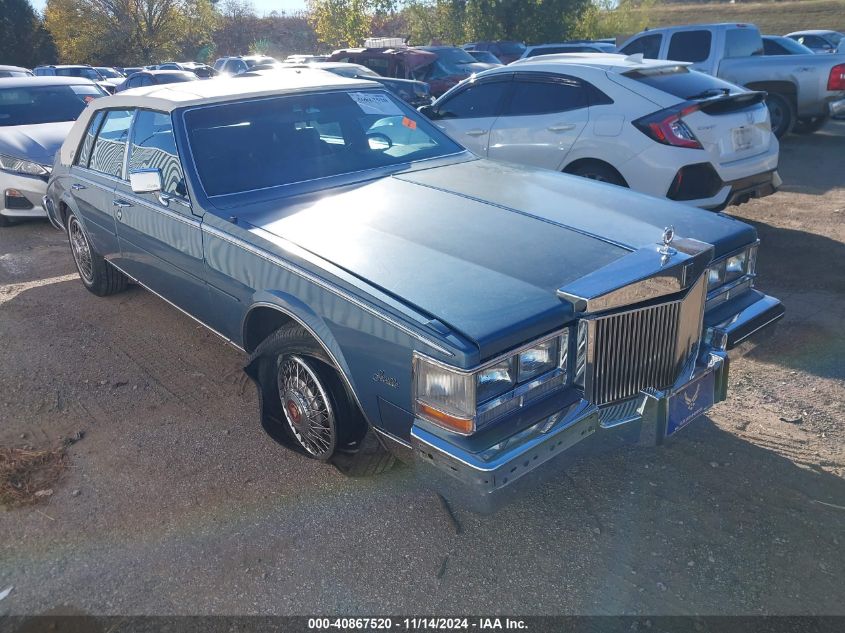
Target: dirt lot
x,y
175,501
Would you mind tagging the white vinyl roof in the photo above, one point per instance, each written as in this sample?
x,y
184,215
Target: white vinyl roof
x,y
168,97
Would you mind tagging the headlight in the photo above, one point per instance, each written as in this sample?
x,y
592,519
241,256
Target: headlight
x,y
715,275
495,380
732,268
461,401
21,166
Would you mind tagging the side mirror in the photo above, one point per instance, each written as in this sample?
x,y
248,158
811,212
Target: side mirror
x,y
146,181
429,111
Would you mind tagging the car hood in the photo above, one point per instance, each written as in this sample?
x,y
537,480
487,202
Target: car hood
x,y
38,143
484,247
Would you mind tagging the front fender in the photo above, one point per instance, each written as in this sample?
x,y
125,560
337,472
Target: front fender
x,y
303,315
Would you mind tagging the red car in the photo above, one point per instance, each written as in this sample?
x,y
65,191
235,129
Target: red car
x,y
441,67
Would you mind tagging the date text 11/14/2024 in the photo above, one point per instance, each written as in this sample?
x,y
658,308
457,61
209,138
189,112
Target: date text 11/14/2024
x,y
417,624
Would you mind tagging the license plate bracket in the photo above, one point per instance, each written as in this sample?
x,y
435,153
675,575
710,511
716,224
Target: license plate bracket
x,y
690,401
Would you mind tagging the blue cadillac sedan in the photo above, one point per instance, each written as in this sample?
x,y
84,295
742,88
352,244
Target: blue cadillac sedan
x,y
398,296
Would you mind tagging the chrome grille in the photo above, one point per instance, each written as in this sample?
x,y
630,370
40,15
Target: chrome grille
x,y
642,348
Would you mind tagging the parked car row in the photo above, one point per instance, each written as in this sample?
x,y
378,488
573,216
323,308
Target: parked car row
x,y
401,297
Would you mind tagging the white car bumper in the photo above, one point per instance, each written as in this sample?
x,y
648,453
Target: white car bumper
x,y
703,182
31,188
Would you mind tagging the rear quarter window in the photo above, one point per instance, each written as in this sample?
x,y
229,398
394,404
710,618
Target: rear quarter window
x,y
689,46
743,42
648,45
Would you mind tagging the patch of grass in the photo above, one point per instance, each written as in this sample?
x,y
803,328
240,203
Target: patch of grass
x,y
24,473
773,18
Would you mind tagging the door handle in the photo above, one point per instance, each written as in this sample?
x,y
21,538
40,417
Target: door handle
x,y
77,187
121,204
476,132
563,127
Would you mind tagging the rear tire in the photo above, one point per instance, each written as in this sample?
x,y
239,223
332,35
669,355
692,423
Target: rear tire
x,y
808,125
602,172
97,275
782,113
286,404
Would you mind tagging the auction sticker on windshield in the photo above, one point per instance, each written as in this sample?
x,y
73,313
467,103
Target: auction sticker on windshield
x,y
375,103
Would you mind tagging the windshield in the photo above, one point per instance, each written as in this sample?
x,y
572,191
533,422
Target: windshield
x,y
352,71
44,104
109,73
511,48
175,77
88,73
249,145
835,37
14,73
791,45
453,56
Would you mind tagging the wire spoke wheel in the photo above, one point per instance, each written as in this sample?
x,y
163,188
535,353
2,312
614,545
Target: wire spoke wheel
x,y
81,250
307,408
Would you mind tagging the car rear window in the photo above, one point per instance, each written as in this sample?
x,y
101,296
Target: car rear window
x,y
743,42
45,104
681,82
258,144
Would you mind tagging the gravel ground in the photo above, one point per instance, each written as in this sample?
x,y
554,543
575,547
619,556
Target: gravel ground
x,y
175,502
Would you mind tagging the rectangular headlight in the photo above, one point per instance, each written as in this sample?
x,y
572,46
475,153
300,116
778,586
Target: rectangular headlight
x,y
716,275
538,360
495,380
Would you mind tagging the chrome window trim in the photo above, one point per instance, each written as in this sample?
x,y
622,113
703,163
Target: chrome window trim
x,y
326,285
399,166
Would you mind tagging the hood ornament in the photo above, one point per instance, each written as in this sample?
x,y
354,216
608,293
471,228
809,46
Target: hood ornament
x,y
666,249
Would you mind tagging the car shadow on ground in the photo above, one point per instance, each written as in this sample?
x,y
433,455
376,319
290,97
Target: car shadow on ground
x,y
818,176
805,271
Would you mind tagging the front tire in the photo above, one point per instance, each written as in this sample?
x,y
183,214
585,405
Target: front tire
x,y
98,276
306,407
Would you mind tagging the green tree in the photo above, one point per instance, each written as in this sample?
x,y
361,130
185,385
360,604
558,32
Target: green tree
x,y
128,32
23,39
341,23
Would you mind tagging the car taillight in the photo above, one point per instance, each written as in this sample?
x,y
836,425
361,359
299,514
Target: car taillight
x,y
667,126
836,80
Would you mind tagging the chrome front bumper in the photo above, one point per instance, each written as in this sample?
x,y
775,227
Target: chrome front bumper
x,y
488,473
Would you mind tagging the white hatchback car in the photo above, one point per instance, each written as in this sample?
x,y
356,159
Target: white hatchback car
x,y
654,126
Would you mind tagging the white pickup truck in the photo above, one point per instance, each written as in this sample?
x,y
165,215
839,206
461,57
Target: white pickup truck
x,y
803,90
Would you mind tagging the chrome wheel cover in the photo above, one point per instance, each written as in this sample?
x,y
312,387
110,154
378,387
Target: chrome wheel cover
x,y
81,250
306,407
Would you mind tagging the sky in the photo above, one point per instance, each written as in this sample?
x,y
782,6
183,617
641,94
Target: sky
x,y
261,6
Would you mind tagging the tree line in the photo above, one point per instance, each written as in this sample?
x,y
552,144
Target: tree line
x,y
136,32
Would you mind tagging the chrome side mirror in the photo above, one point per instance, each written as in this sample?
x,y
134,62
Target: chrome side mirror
x,y
146,181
